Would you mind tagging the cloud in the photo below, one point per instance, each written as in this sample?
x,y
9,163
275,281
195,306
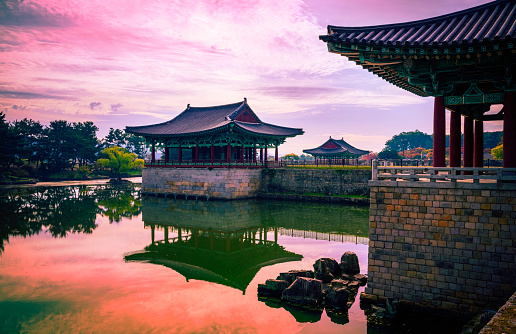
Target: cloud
x,y
152,114
30,13
297,92
17,107
95,105
115,107
31,95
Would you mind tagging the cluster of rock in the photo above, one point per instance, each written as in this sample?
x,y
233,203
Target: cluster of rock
x,y
331,284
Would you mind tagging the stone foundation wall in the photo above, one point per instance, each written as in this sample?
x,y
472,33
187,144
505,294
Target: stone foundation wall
x,y
447,247
319,181
218,183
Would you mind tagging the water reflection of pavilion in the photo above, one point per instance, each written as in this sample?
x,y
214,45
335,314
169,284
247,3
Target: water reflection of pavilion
x,y
220,242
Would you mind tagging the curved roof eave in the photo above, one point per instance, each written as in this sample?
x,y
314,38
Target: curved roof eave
x,y
294,131
488,22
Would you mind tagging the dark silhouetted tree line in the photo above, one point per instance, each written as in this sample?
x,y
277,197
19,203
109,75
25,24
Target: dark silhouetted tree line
x,y
61,145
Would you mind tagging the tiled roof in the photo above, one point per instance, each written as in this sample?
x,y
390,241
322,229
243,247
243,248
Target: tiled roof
x,y
491,22
195,120
341,148
268,129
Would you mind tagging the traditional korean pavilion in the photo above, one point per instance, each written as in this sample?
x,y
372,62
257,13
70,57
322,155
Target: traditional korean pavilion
x,y
465,60
218,136
336,149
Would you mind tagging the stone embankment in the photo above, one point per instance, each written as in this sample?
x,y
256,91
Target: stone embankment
x,y
329,182
314,185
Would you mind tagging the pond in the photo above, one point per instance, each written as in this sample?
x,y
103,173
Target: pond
x,y
97,258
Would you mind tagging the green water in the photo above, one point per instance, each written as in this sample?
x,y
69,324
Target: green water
x,y
96,258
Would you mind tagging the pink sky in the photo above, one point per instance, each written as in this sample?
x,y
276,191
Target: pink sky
x,y
120,63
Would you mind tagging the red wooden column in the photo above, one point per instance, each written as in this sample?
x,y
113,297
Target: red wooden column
x,y
509,130
180,154
166,153
455,145
254,154
242,151
212,154
261,155
196,153
439,150
276,154
478,145
153,150
228,153
468,141
265,157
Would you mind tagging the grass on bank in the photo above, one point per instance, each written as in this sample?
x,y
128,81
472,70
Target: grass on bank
x,y
30,174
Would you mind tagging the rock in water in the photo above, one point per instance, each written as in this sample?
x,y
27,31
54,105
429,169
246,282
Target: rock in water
x,y
291,276
349,263
304,291
337,298
329,264
272,287
361,278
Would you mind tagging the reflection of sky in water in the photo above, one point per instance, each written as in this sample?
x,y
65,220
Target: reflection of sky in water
x,y
82,284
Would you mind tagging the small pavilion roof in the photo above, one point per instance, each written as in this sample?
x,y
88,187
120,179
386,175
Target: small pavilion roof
x,y
489,22
335,147
196,120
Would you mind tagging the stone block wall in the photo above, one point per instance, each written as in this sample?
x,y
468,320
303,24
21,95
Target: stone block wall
x,y
319,181
442,247
218,183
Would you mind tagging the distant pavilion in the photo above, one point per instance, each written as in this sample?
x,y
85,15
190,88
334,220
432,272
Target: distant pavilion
x,y
217,136
334,149
465,60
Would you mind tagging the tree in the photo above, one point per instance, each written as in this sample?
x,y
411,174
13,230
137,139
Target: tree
x,y
409,140
306,157
61,145
492,139
10,143
416,153
31,135
119,160
369,156
290,156
497,152
115,137
136,144
86,147
388,154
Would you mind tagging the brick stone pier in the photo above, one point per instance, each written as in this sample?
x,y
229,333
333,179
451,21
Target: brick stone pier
x,y
442,244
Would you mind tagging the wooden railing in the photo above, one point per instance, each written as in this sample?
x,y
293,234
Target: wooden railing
x,y
205,164
443,174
